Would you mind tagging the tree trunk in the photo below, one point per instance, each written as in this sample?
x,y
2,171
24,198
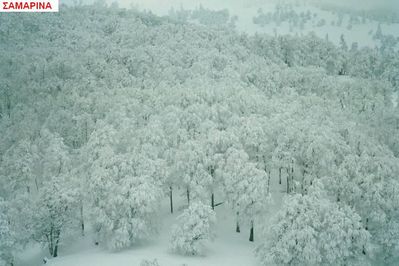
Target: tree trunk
x,y
213,201
188,196
37,186
288,181
82,222
251,233
303,180
55,253
50,241
268,182
8,104
171,199
238,225
279,175
57,238
292,178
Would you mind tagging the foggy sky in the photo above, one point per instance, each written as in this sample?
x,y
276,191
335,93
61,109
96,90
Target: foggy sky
x,y
366,4
162,4
356,4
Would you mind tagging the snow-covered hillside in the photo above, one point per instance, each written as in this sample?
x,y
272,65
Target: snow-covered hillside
x,y
129,138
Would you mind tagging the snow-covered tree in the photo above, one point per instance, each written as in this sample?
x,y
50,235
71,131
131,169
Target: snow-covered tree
x,y
216,144
367,183
125,197
312,230
51,158
190,167
17,172
8,244
246,187
193,229
53,213
149,262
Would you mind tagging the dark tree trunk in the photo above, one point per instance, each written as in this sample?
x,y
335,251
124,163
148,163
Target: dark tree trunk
x,y
57,238
37,186
292,179
50,249
8,104
50,241
213,201
251,233
303,181
238,225
268,182
171,199
55,253
82,222
188,196
53,239
279,175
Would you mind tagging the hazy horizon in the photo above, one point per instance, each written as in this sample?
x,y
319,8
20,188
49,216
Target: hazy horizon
x,y
391,5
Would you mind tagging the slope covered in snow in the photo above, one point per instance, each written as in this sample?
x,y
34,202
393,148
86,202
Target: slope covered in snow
x,y
112,119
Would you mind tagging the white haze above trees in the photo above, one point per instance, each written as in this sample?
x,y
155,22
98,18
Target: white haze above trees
x,y
365,4
105,113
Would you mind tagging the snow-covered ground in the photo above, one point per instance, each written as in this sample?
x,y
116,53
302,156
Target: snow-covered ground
x,y
228,249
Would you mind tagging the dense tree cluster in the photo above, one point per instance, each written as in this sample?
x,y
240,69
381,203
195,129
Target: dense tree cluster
x,y
105,112
285,13
204,16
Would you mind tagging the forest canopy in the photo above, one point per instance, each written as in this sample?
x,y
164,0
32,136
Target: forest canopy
x,y
106,112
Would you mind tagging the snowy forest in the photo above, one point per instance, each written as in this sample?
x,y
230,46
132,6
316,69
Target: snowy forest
x,y
132,138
